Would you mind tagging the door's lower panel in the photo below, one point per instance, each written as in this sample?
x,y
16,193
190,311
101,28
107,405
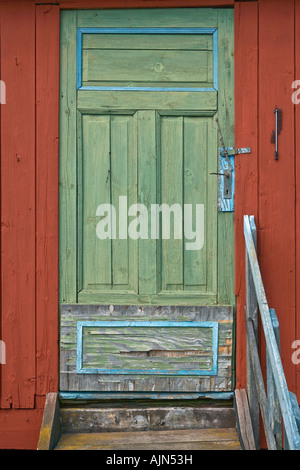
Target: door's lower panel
x,y
114,348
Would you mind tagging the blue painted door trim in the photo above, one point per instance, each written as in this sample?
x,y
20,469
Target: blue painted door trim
x,y
81,31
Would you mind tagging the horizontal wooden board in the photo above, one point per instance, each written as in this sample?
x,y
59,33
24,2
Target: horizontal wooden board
x,y
150,41
165,67
145,418
194,439
204,103
177,17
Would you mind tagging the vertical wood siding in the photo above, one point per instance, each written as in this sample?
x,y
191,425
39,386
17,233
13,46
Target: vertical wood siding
x,y
276,194
246,180
18,205
47,132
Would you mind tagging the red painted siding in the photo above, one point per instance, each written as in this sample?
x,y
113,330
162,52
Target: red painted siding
x,y
267,42
246,135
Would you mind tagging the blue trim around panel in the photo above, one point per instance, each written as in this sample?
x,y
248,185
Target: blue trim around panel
x,y
147,324
145,395
81,31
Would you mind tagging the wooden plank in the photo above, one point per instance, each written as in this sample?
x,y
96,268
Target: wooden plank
x,y
96,158
47,177
73,4
184,439
18,204
225,116
277,177
203,103
50,431
244,420
273,402
147,186
152,41
251,310
171,193
181,17
246,200
143,66
68,171
259,383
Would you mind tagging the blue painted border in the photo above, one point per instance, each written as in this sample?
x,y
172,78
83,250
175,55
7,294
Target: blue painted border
x,y
147,324
145,395
81,31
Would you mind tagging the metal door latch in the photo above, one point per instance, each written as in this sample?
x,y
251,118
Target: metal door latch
x,y
226,174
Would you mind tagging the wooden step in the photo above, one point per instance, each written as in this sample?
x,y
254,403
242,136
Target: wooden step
x,y
191,439
138,426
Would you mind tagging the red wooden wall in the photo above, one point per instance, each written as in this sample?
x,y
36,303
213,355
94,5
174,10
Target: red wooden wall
x,y
267,61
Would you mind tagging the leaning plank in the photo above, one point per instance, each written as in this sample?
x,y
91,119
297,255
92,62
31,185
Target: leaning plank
x,y
244,419
51,425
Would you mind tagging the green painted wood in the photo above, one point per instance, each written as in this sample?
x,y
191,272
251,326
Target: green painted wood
x,y
174,102
226,119
68,176
152,148
147,65
147,348
150,41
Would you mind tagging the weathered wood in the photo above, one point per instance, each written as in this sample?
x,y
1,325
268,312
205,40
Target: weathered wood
x,y
272,347
273,402
51,425
146,418
149,440
259,383
72,314
68,171
244,420
252,314
277,218
47,178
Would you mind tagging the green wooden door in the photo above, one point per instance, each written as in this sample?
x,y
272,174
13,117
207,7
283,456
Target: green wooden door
x,y
146,258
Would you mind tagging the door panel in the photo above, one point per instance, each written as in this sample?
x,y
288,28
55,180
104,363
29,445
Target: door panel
x,y
146,259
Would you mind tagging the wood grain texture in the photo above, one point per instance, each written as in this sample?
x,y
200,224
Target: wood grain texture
x,y
71,381
246,166
225,116
47,177
244,420
276,222
196,439
18,204
51,425
19,428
